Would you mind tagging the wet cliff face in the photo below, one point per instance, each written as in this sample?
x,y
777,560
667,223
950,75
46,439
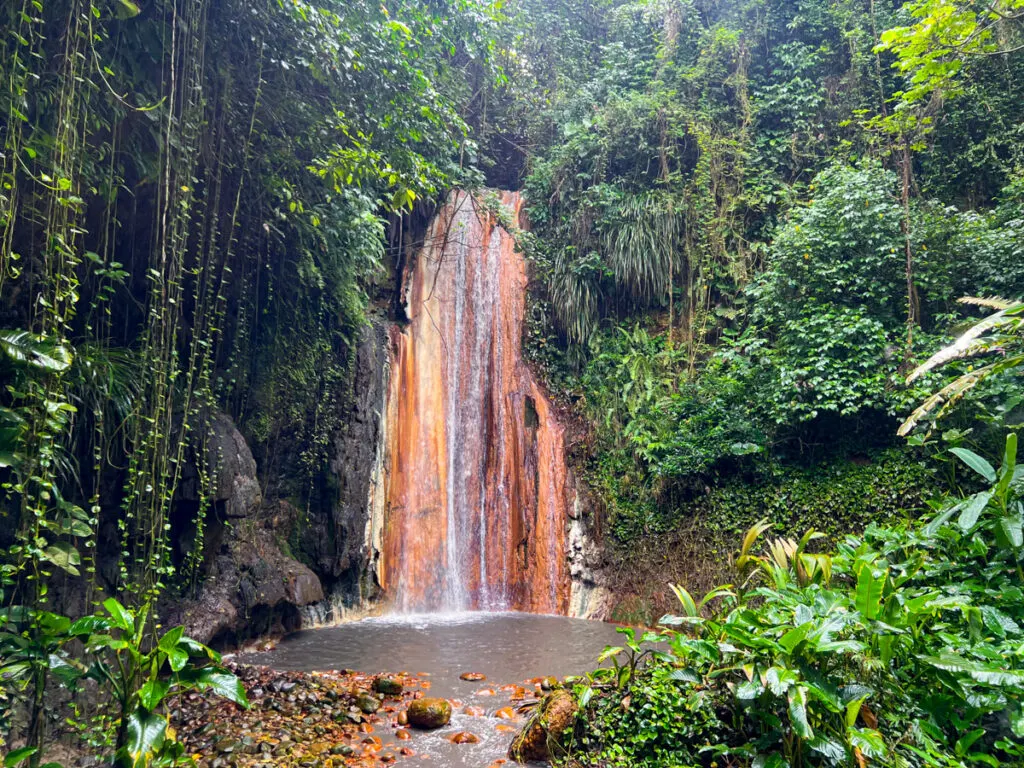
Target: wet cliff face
x,y
337,537
477,495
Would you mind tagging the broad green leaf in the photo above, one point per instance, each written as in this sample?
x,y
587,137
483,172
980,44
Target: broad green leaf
x,y
126,9
833,750
780,680
798,712
1012,528
990,675
585,696
87,625
964,743
171,638
869,591
749,690
16,756
226,685
868,741
1016,715
943,517
177,658
64,671
1006,472
972,510
794,637
36,351
64,556
975,462
684,675
122,618
669,620
853,711
685,600
998,622
152,693
146,734
195,648
15,670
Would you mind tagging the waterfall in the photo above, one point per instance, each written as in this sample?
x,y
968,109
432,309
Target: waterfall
x,y
477,490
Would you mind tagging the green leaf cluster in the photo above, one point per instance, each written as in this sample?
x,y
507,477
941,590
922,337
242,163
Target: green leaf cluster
x,y
898,647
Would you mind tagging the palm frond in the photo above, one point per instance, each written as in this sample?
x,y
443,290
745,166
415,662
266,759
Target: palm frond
x,y
639,240
968,345
991,302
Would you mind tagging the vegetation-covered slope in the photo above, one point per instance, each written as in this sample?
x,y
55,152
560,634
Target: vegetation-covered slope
x,y
751,221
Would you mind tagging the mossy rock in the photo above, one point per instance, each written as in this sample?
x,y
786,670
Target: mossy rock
x,y
367,704
387,685
547,729
429,713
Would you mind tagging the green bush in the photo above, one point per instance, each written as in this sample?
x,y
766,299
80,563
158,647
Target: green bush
x,y
901,647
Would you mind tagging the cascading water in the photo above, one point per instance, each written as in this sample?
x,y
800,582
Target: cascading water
x,y
477,491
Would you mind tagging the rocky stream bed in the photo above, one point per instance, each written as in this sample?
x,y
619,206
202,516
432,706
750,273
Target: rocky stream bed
x,y
341,718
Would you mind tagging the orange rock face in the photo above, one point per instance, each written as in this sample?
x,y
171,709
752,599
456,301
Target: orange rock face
x,y
477,486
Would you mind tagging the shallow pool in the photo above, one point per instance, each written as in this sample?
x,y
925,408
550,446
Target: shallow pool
x,y
508,648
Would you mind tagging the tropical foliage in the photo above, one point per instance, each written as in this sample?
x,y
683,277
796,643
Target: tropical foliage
x,y
196,200
897,648
753,226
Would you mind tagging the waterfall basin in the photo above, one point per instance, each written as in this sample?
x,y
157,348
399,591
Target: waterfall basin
x,y
508,648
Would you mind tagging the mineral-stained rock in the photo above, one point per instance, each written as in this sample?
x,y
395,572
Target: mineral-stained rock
x,y
473,677
553,719
387,685
429,713
464,737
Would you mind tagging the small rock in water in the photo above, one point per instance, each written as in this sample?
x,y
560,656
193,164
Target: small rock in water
x,y
389,686
429,713
403,718
549,684
464,737
473,677
474,711
402,735
367,704
505,713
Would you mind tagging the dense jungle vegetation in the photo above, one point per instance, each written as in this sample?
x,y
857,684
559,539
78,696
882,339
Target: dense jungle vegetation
x,y
752,220
757,229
